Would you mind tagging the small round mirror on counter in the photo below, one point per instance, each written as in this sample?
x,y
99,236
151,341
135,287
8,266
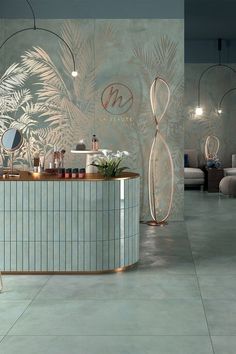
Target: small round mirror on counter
x,y
11,141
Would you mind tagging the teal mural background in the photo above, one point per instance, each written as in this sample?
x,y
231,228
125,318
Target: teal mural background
x,y
39,96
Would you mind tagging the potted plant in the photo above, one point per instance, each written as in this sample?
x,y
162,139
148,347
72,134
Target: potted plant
x,y
109,163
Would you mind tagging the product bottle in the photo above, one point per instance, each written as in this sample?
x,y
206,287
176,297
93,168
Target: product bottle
x,y
94,143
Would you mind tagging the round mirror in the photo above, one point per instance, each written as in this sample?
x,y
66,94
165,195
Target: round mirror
x,y
12,139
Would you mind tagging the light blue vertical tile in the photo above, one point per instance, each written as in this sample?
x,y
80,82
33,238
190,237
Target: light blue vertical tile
x,y
50,224
32,196
131,191
68,196
62,257
122,252
44,194
87,256
130,256
81,251
13,225
105,254
117,254
126,215
81,196
7,199
44,256
126,251
99,195
105,224
87,195
56,226
81,226
50,246
99,255
105,195
68,255
7,226
130,222
19,256
122,193
25,187
126,193
68,226
111,224
2,258
111,192
87,226
2,196
74,186
117,194
75,229
62,186
38,256
7,254
38,195
74,263
117,224
111,246
62,225
31,222
56,266
93,251
93,196
99,225
13,195
13,261
2,223
56,196
25,256
38,226
44,225
32,248
93,225
50,195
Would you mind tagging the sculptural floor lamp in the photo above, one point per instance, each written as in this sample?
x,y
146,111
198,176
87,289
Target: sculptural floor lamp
x,y
158,87
222,99
212,146
74,73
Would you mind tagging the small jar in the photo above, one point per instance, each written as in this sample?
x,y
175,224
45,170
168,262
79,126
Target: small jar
x,y
75,173
82,173
68,173
61,173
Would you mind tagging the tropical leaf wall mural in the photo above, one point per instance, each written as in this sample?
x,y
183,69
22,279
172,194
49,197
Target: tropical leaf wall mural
x,y
116,60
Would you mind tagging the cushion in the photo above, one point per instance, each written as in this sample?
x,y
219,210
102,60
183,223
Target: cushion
x,y
193,173
228,185
192,157
186,160
230,171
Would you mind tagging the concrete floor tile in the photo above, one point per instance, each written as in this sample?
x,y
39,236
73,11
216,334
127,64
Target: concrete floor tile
x,y
100,317
221,287
107,344
221,316
224,344
10,311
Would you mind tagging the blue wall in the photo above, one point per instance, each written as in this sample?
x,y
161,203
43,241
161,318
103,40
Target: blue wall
x,y
93,9
206,51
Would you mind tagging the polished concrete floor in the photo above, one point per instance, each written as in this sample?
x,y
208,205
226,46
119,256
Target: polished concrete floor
x,y
181,299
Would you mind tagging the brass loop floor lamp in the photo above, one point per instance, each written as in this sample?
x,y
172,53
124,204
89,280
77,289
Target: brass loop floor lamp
x,y
157,86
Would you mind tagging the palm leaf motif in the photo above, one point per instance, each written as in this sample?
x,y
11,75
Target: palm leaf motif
x,y
13,77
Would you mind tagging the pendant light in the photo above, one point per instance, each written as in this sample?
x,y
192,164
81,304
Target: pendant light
x,y
199,109
74,73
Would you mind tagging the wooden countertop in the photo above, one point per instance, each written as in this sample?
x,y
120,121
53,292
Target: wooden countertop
x,y
28,176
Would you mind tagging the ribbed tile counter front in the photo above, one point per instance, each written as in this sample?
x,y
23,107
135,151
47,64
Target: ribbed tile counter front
x,y
69,226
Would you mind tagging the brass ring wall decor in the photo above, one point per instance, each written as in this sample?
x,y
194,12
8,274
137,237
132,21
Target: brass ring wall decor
x,y
157,85
211,140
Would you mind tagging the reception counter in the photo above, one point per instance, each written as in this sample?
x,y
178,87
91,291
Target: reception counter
x,y
76,225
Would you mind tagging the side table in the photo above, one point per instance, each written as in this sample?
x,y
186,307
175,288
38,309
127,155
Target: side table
x,y
213,176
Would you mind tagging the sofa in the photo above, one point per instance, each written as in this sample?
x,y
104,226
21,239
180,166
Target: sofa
x,y
193,175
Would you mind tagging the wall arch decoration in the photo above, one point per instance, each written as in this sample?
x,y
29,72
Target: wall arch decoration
x,y
160,168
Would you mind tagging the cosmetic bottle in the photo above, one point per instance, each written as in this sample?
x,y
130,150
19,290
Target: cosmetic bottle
x,y
68,173
95,143
82,173
75,173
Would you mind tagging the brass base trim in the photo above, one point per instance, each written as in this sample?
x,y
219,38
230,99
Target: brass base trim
x,y
156,223
94,272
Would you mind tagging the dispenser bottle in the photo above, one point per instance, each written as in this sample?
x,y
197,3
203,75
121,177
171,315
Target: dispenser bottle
x,y
95,145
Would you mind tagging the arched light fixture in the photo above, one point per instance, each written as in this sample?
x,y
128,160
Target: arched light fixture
x,y
199,109
74,73
219,110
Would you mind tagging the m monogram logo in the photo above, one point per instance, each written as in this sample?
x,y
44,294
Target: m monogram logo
x,y
117,98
